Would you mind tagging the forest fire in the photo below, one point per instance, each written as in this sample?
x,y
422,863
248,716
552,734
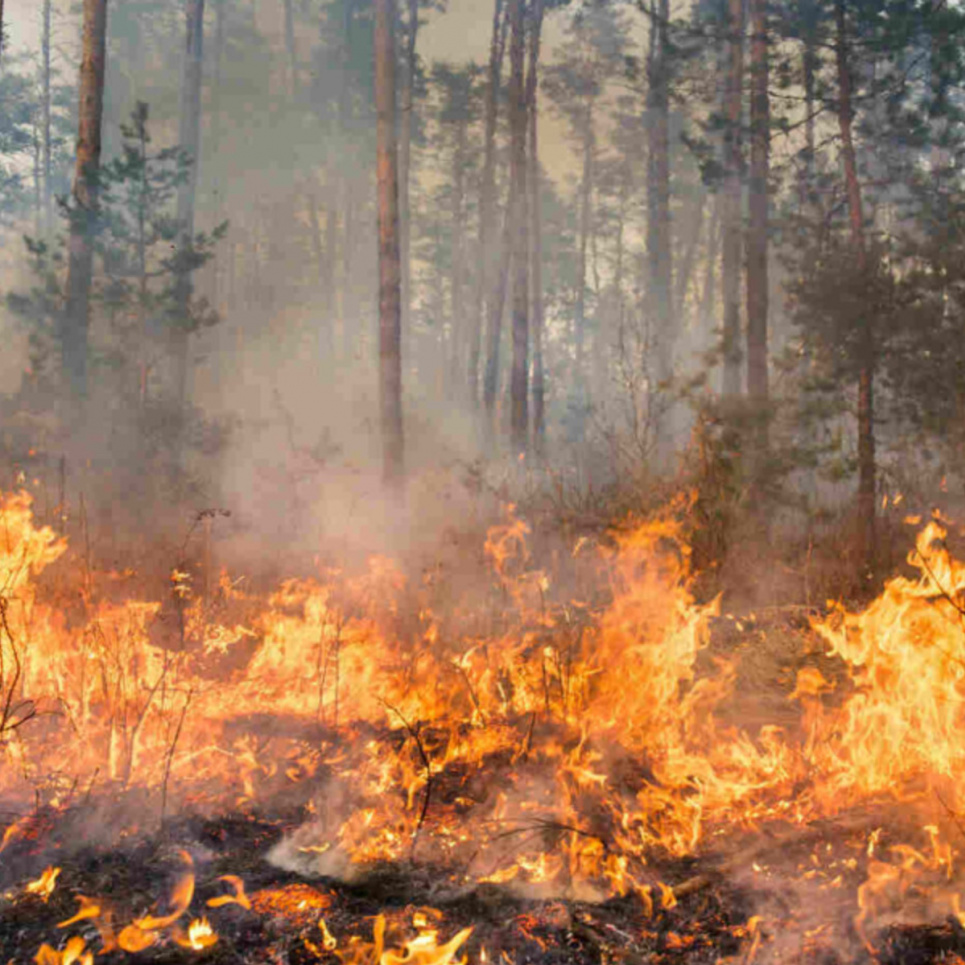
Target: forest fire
x,y
581,750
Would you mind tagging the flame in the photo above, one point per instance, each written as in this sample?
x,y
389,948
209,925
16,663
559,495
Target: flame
x,y
73,952
200,935
906,657
89,908
550,741
44,886
421,950
329,941
237,898
181,896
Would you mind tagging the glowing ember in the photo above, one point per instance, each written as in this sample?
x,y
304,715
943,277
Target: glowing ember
x,y
297,902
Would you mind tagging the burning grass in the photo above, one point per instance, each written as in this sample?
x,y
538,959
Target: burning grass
x,y
584,734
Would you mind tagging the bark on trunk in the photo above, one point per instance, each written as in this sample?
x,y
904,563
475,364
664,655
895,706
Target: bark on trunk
x,y
405,157
685,274
76,319
536,230
866,437
731,214
495,305
189,138
519,381
757,284
390,293
586,216
458,213
45,43
659,241
485,281
809,63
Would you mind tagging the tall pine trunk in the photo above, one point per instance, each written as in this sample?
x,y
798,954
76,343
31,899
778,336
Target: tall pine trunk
x,y
189,137
536,231
80,265
807,11
866,436
757,290
290,48
731,206
45,46
405,157
659,240
486,279
519,376
583,242
390,282
457,325
494,309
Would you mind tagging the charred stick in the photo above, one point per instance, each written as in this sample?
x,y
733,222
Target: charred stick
x,y
425,763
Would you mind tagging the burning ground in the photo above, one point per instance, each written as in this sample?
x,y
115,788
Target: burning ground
x,y
532,763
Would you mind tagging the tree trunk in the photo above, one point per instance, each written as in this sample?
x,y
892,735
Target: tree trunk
x,y
405,158
685,274
495,305
866,437
45,44
757,244
536,230
458,214
189,137
390,283
291,49
2,29
487,213
659,241
76,319
519,381
586,216
217,266
809,64
731,213
707,299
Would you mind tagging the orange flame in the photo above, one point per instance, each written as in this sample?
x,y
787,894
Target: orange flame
x,y
44,886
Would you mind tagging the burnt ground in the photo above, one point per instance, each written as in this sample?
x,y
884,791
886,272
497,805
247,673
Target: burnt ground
x,y
805,916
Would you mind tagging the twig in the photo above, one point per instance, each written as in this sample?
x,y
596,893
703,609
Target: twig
x,y
425,763
170,756
952,814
